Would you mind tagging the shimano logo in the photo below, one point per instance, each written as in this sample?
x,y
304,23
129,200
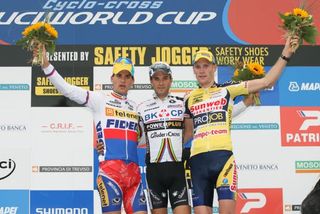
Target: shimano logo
x,y
305,86
62,210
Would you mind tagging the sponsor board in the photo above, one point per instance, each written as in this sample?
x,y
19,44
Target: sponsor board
x,y
15,128
260,201
292,207
62,149
74,65
255,126
300,90
14,201
257,167
302,129
7,167
263,134
178,17
307,166
15,87
61,202
14,168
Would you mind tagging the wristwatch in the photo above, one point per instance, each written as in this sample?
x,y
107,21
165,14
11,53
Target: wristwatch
x,y
287,59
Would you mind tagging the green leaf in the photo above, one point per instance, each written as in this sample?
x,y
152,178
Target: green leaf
x,y
309,34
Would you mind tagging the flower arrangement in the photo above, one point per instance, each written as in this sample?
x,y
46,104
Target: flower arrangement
x,y
250,71
299,22
38,35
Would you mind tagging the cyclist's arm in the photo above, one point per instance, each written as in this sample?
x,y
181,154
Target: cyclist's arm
x,y
273,75
188,129
242,106
75,93
238,108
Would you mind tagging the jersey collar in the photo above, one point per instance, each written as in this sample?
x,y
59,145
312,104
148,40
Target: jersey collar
x,y
157,98
214,85
118,96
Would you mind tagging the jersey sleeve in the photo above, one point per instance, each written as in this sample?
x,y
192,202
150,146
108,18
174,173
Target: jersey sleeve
x,y
238,89
75,93
238,108
187,113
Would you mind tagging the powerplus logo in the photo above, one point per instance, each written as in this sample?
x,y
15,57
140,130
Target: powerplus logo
x,y
7,167
302,129
260,201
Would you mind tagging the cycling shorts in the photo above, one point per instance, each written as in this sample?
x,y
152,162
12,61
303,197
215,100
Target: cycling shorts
x,y
120,182
164,177
213,170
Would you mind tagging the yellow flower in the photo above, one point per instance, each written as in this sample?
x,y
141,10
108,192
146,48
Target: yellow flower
x,y
51,30
236,73
300,12
27,31
255,68
37,25
287,14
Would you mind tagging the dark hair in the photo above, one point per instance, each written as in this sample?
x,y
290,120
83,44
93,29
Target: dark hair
x,y
311,204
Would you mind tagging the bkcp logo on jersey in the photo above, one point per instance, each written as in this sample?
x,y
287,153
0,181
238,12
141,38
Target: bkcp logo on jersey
x,y
260,201
163,114
300,126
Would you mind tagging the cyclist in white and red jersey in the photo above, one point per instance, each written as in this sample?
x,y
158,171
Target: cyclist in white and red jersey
x,y
162,119
116,123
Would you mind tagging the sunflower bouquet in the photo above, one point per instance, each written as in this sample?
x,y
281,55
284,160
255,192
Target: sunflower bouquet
x,y
36,36
250,71
299,22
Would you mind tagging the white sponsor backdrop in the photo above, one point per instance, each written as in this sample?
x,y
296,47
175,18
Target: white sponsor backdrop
x,y
15,85
60,140
62,149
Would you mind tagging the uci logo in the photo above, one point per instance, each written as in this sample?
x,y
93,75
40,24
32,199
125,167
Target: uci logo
x,y
6,168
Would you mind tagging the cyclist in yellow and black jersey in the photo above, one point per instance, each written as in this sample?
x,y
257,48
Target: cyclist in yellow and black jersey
x,y
209,112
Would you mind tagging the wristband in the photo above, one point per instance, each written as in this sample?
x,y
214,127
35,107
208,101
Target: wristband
x,y
287,59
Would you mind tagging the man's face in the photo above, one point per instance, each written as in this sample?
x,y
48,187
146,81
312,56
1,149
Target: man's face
x,y
122,82
204,71
161,83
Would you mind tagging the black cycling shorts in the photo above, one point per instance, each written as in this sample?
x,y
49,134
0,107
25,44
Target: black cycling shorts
x,y
213,170
163,179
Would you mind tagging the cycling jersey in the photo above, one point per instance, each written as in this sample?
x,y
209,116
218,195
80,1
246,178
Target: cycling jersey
x,y
211,111
115,117
163,125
